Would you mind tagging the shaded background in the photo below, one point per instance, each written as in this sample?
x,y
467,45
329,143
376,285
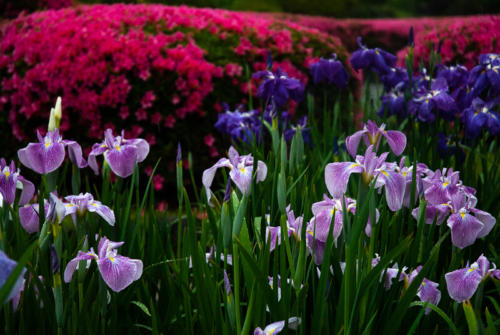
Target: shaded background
x,y
343,8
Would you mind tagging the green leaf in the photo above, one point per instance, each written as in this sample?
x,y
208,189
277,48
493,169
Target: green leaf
x,y
439,311
143,307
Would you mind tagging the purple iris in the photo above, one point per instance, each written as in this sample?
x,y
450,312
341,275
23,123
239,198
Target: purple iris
x,y
326,212
240,125
463,283
277,327
294,226
427,291
329,71
437,99
10,179
117,271
337,176
241,171
395,77
455,76
7,265
377,59
446,147
79,204
481,116
302,127
278,88
28,216
394,103
121,154
371,136
47,155
486,74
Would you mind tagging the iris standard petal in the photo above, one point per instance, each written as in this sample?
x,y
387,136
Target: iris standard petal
x,y
209,174
396,141
352,142
75,154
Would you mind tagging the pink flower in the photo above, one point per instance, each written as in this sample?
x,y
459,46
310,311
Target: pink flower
x,y
209,140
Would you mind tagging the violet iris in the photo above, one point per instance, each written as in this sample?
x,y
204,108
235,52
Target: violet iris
x,y
329,71
278,88
10,180
117,271
121,154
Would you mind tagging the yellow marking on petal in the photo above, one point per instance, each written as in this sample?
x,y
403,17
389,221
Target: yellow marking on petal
x,y
405,173
47,144
384,173
462,215
377,52
332,212
93,204
426,101
496,70
111,259
470,270
69,205
423,284
445,184
117,147
310,233
7,174
242,170
353,165
103,145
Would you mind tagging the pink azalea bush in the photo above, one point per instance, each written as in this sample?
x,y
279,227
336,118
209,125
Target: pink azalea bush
x,y
158,71
462,40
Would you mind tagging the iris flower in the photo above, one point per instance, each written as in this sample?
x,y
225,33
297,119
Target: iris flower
x,y
278,88
479,116
7,265
121,154
377,59
48,154
463,283
337,176
436,99
241,170
79,204
371,134
277,327
330,71
117,271
10,180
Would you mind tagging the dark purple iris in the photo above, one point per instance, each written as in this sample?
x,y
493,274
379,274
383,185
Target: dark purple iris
x,y
239,125
395,77
479,116
393,103
302,127
377,59
485,75
455,76
277,88
329,71
426,102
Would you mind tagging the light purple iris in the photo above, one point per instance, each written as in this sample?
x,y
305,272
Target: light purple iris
x,y
468,223
10,179
117,271
79,204
371,136
276,327
337,176
463,283
7,265
28,216
48,154
294,226
407,173
427,291
241,170
121,154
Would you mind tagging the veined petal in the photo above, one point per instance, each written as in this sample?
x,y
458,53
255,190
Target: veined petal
x,y
352,142
428,292
28,217
337,176
242,177
142,148
41,158
396,141
462,283
72,264
103,211
122,161
464,229
486,219
75,154
209,174
27,192
394,189
261,171
119,272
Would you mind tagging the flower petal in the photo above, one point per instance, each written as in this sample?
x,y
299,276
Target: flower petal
x,y
119,272
462,283
122,161
72,264
464,229
337,176
396,141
